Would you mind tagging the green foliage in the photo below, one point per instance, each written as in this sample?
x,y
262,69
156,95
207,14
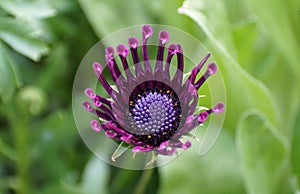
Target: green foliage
x,y
256,45
265,161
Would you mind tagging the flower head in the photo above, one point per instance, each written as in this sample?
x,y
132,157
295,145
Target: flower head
x,y
149,109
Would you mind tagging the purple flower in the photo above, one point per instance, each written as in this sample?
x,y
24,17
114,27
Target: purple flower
x,y
149,108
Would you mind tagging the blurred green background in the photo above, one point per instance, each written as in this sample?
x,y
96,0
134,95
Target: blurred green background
x,y
255,43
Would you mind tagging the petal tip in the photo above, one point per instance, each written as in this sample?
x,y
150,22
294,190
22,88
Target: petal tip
x,y
133,42
87,105
97,68
122,50
212,68
89,93
147,31
164,36
95,125
219,108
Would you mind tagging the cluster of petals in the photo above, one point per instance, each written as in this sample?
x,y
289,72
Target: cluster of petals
x,y
149,109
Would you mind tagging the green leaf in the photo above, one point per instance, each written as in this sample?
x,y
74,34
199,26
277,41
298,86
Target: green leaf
x,y
243,91
113,16
34,29
26,37
9,78
7,151
295,153
218,172
108,16
213,18
55,68
32,49
264,154
129,181
285,90
281,21
28,10
95,177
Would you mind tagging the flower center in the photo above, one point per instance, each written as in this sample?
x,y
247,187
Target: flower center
x,y
155,112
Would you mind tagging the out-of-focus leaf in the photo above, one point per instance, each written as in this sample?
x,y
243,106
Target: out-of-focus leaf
x,y
213,16
21,28
281,22
59,188
7,151
28,9
114,16
295,153
259,55
9,78
217,172
264,152
53,137
95,177
55,67
242,44
245,92
108,16
32,49
127,181
239,83
287,98
26,37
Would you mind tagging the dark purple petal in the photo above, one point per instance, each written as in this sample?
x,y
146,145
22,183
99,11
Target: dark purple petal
x,y
90,94
180,63
202,117
87,105
133,44
172,49
111,63
106,110
146,34
196,69
98,70
211,69
98,99
163,37
122,51
119,131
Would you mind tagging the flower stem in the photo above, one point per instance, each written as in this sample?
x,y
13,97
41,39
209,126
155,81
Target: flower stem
x,y
23,159
19,125
143,182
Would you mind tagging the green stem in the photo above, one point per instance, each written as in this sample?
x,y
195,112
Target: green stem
x,y
143,182
23,159
19,125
